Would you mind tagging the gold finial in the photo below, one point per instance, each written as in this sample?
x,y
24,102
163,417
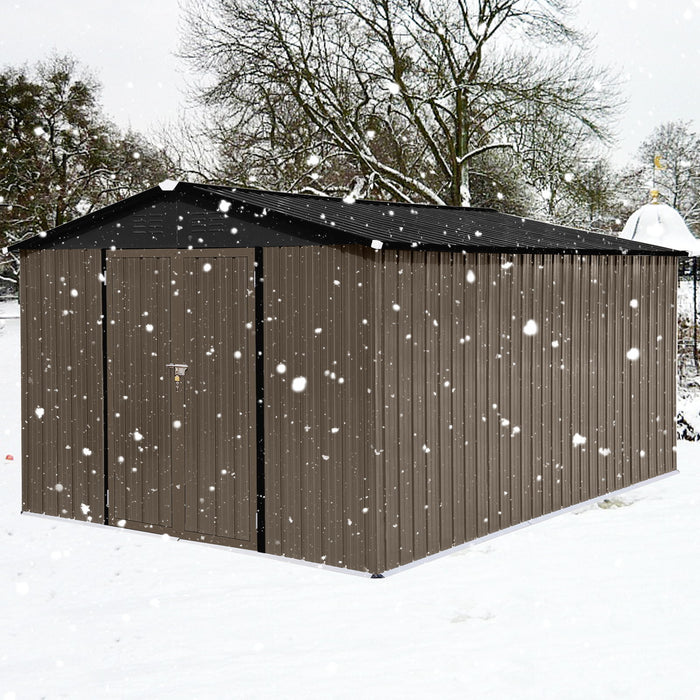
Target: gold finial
x,y
654,196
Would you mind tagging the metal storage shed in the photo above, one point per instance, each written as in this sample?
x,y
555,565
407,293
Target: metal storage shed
x,y
366,383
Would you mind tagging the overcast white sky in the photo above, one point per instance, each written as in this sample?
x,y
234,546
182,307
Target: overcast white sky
x,y
129,44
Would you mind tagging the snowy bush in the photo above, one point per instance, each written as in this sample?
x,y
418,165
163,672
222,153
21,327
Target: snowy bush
x,y
688,415
686,331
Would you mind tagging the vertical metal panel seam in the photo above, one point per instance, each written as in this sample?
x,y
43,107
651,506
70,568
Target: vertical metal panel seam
x,y
105,370
260,397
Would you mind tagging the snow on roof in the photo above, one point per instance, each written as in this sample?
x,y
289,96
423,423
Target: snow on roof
x,y
168,185
661,225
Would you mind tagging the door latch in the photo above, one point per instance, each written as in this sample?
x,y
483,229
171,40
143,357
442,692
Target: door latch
x,y
180,370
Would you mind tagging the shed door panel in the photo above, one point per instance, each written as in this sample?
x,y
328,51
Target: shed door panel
x,y
138,334
219,396
182,456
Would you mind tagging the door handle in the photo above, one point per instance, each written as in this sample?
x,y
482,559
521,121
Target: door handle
x,y
180,370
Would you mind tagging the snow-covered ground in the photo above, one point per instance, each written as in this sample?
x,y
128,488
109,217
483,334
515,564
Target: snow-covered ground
x,y
597,603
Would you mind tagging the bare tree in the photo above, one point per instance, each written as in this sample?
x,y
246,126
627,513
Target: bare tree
x,y
404,96
593,192
189,146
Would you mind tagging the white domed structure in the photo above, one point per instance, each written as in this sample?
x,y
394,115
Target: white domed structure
x,y
661,225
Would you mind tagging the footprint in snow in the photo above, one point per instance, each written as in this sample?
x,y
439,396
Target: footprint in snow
x,y
476,613
615,502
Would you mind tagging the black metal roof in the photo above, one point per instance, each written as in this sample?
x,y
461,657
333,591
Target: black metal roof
x,y
394,225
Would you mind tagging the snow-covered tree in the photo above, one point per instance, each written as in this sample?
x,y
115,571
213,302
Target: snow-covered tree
x,y
401,98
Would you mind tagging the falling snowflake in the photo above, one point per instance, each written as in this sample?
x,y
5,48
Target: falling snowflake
x,y
298,384
281,368
578,440
530,328
633,354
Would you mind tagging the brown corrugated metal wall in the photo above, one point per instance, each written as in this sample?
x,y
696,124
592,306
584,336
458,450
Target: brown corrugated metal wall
x,y
429,416
490,431
317,305
62,396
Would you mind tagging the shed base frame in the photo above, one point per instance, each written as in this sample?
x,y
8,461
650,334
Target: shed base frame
x,y
398,569
527,523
